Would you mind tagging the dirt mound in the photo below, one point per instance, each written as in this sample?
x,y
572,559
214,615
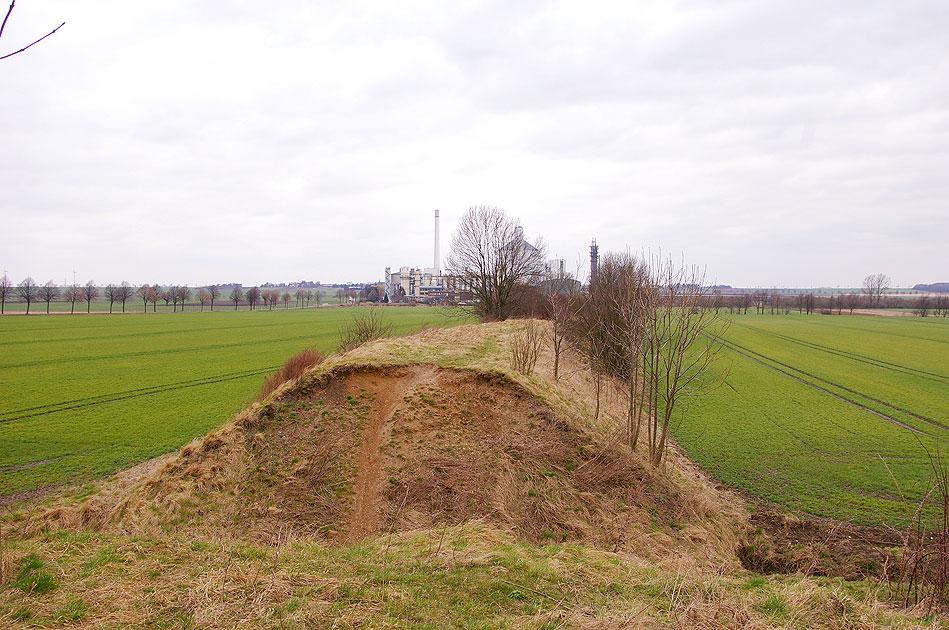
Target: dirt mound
x,y
361,451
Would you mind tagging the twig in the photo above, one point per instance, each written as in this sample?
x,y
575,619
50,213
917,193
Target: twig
x,y
25,47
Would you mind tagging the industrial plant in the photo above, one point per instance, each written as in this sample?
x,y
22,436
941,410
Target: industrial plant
x,y
426,284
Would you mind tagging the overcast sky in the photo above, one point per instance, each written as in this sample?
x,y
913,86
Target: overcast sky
x,y
787,143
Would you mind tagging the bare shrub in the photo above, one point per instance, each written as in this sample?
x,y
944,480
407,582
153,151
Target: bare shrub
x,y
364,327
525,347
295,367
921,575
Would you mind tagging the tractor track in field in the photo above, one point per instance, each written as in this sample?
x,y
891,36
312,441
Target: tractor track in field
x,y
139,335
163,352
81,403
747,353
896,367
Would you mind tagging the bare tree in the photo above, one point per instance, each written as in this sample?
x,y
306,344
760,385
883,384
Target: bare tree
x,y
923,306
299,295
5,287
112,294
874,286
851,301
490,258
561,309
125,292
143,292
184,294
308,297
253,296
318,298
89,293
236,296
286,299
73,296
214,293
204,296
682,342
16,52
27,290
48,293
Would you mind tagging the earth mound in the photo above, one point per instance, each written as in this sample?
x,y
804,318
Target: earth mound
x,y
358,451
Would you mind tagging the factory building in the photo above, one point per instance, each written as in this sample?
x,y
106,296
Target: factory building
x,y
426,284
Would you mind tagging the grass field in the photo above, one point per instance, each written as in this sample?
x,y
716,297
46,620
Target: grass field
x,y
813,406
84,396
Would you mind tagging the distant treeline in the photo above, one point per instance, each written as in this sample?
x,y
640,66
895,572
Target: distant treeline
x,y
936,287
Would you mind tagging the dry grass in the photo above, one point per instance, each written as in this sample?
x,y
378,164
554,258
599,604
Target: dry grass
x,y
295,367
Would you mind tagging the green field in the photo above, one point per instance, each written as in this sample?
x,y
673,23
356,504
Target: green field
x,y
814,405
84,396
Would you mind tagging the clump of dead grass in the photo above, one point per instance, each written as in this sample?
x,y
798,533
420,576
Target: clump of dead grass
x,y
295,367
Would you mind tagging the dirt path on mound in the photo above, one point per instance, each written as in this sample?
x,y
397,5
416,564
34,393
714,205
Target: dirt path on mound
x,y
387,391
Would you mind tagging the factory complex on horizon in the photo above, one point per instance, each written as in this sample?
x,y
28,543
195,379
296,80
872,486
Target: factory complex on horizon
x,y
432,285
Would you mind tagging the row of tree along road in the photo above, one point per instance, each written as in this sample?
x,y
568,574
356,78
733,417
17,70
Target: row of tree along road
x,y
118,295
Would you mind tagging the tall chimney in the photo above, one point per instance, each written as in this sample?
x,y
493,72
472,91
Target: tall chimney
x,y
437,262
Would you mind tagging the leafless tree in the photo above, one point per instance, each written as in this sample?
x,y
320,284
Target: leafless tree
x,y
213,293
318,298
153,297
340,294
125,292
286,299
112,294
682,343
236,296
89,293
851,302
184,294
204,296
941,305
27,290
299,296
73,295
490,258
143,292
308,297
16,52
48,293
170,295
923,306
562,306
874,286
253,296
5,287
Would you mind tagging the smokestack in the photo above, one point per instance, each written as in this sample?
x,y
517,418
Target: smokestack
x,y
437,262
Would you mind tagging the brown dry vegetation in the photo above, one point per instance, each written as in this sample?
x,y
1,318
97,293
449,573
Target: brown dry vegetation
x,y
412,482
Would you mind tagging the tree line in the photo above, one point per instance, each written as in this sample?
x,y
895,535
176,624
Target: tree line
x,y
175,296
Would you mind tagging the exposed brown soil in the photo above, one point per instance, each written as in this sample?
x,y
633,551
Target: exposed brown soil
x,y
362,451
786,543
